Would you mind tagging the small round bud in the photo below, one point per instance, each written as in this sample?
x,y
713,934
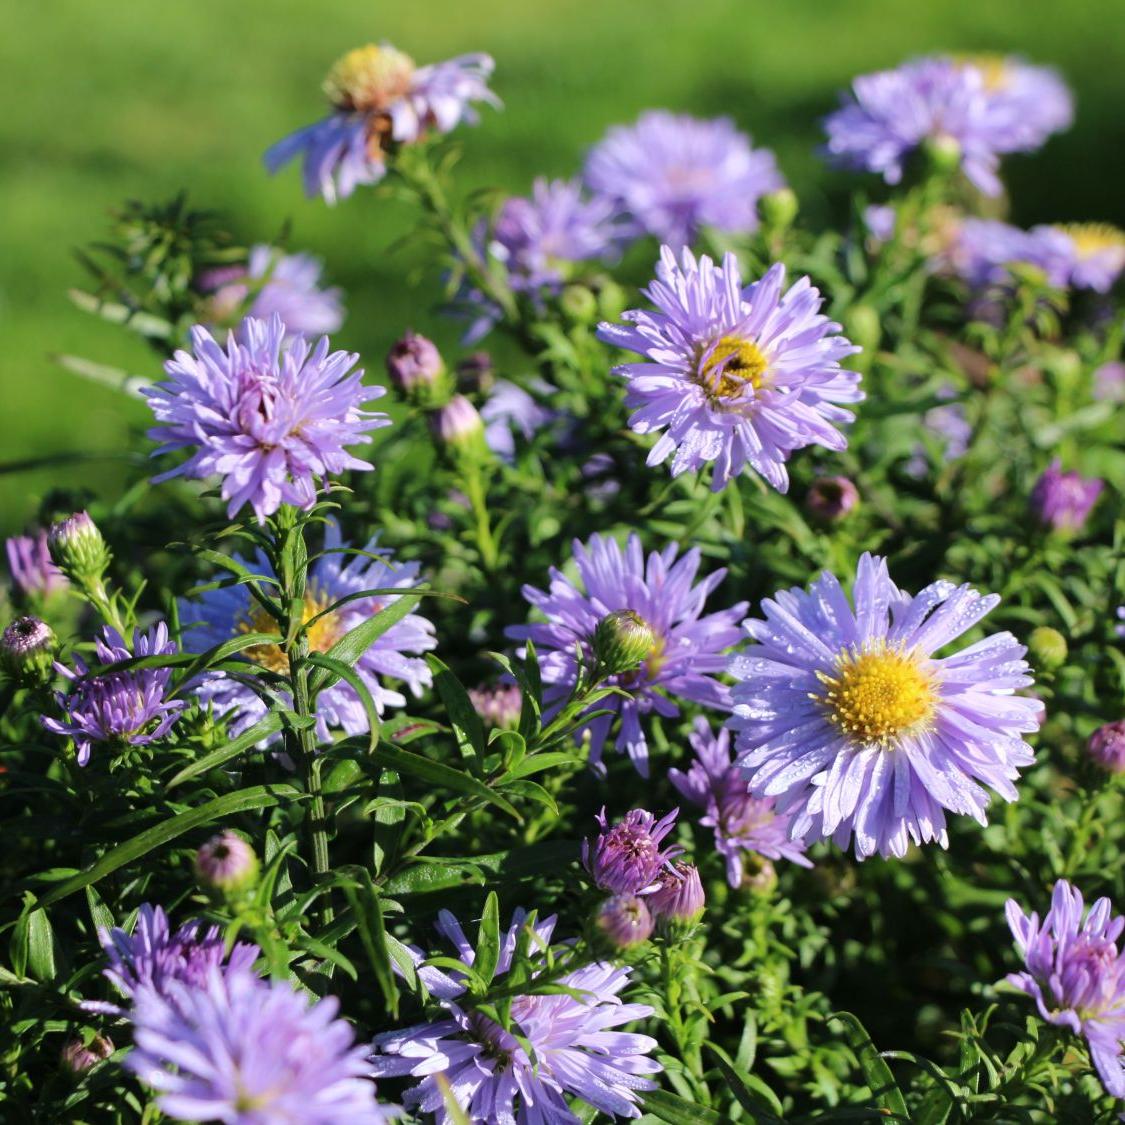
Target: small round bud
x,y
499,706
758,874
612,299
579,304
27,649
943,153
1048,647
679,894
226,863
1062,501
416,368
77,1056
78,549
624,920
779,208
476,371
458,428
863,327
622,640
1107,746
830,499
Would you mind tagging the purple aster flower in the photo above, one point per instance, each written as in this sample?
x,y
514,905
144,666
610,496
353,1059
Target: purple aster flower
x,y
269,415
29,562
510,410
1083,255
1107,746
985,250
673,175
678,895
735,376
846,717
381,101
228,611
285,284
498,705
1031,102
949,427
626,858
662,591
129,706
1075,973
741,823
246,1051
1063,500
1109,382
889,115
152,958
566,1044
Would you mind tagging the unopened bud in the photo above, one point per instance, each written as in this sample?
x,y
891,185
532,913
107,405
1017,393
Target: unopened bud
x,y
226,863
679,896
830,499
622,640
416,368
77,1056
612,299
499,706
779,208
1107,746
943,152
758,874
1048,648
625,921
863,327
27,649
459,429
579,304
78,549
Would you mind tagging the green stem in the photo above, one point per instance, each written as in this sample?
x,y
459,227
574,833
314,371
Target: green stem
x,y
486,541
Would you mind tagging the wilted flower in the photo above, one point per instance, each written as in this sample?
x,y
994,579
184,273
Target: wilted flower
x,y
381,102
1063,500
831,498
152,958
285,284
686,654
29,563
416,368
230,611
235,1048
624,921
742,824
626,858
27,648
269,415
890,115
1076,974
129,706
673,175
566,1044
848,720
225,863
509,410
78,1056
678,896
733,376
1107,746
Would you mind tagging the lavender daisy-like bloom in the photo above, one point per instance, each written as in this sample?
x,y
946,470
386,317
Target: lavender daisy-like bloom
x,y
270,414
848,719
510,410
229,611
381,101
985,250
673,175
129,706
741,823
289,287
733,376
491,1073
889,115
1075,973
1120,629
29,563
1063,501
153,958
245,1051
1031,101
688,649
626,858
1083,255
949,427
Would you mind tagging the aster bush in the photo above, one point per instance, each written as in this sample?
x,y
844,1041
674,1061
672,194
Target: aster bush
x,y
681,704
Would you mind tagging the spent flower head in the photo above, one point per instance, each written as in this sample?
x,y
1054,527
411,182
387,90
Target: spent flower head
x,y
625,858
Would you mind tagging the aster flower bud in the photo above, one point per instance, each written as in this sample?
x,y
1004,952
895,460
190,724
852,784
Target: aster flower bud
x,y
943,152
759,874
1063,501
1107,746
830,499
226,863
626,859
622,640
27,649
78,549
1048,647
417,370
625,921
863,326
679,894
476,372
579,304
499,706
458,428
78,1056
779,208
612,299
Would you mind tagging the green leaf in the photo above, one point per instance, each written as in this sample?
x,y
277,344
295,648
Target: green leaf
x,y
488,939
445,777
884,1088
467,725
678,1111
355,642
368,911
262,729
342,672
256,797
423,878
748,1090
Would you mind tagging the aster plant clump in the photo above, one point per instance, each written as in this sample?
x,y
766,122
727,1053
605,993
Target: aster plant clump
x,y
321,678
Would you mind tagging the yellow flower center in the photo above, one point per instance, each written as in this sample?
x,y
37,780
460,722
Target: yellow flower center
x,y
322,634
1093,238
994,69
734,364
876,695
369,78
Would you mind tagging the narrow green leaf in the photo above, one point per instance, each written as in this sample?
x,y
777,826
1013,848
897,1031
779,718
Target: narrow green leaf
x,y
262,729
467,725
434,773
884,1088
354,643
488,939
748,1090
678,1111
368,912
343,672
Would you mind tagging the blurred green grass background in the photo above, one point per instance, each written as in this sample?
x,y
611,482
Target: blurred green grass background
x,y
116,99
